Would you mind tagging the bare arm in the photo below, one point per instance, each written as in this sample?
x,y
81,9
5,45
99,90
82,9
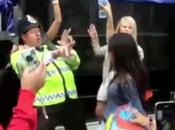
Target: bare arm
x,y
109,23
98,50
53,30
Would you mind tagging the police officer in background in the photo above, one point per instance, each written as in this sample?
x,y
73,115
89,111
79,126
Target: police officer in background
x,y
57,100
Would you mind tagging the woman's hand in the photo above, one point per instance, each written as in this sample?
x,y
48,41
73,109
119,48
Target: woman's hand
x,y
107,8
146,121
92,32
140,119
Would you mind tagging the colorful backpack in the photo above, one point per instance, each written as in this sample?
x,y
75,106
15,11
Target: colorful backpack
x,y
121,120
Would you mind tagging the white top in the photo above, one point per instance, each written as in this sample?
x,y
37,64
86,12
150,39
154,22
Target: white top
x,y
108,75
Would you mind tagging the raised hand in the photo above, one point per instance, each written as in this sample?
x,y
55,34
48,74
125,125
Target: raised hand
x,y
33,80
92,32
64,37
107,8
69,45
66,44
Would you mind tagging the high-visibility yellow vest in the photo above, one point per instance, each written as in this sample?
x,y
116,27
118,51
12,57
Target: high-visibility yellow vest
x,y
53,90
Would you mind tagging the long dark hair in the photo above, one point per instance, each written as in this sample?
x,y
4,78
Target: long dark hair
x,y
126,60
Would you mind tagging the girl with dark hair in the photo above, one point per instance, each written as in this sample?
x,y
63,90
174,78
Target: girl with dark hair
x,y
126,24
130,75
125,60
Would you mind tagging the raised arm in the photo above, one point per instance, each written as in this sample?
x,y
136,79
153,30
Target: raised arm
x,y
24,114
98,50
53,30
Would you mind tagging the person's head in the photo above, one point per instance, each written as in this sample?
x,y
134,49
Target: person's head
x,y
127,25
28,31
125,58
123,50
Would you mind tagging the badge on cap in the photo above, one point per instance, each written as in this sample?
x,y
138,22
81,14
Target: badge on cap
x,y
31,19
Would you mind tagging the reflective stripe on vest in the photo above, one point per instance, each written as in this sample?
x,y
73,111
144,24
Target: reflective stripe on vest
x,y
54,98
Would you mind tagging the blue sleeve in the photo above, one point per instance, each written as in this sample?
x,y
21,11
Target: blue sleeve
x,y
7,4
6,8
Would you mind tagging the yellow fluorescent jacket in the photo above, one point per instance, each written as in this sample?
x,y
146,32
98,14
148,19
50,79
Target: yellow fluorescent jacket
x,y
53,90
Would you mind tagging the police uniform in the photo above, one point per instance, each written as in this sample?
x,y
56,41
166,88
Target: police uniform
x,y
58,96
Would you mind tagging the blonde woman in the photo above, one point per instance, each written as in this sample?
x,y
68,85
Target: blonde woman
x,y
126,25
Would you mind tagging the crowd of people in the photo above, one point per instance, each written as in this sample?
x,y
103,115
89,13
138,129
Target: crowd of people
x,y
48,96
111,67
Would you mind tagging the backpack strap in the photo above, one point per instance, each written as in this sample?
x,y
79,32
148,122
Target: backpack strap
x,y
109,122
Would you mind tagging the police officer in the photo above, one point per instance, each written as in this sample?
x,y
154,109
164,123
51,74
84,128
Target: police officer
x,y
57,100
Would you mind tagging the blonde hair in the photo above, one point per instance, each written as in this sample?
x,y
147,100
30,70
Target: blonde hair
x,y
132,22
